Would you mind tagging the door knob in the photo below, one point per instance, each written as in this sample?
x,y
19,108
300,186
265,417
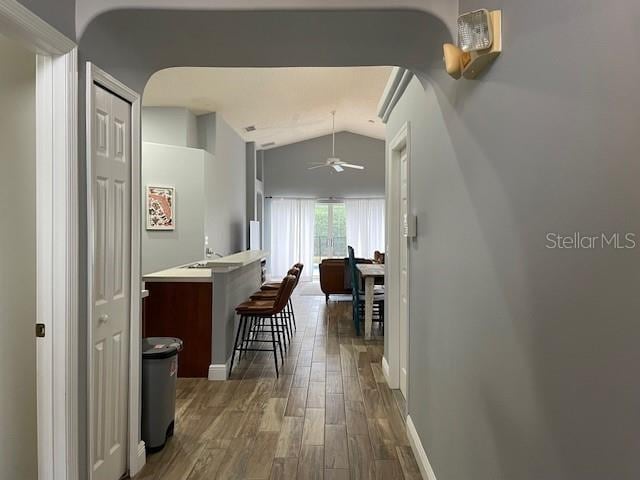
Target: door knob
x,y
103,319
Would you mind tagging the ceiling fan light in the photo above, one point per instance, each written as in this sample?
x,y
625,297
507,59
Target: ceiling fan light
x,y
338,168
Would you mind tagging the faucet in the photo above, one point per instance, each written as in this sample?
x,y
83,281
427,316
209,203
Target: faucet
x,y
209,253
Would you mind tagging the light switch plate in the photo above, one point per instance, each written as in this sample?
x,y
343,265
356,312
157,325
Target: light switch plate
x,y
409,226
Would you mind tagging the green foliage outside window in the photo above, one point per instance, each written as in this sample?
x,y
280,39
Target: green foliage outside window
x,y
322,247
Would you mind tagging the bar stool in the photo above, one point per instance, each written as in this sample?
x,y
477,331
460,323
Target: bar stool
x,y
254,316
268,292
273,286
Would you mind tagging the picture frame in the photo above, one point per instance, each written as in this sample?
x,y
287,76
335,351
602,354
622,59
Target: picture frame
x,y
161,207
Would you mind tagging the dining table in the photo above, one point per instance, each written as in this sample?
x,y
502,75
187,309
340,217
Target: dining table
x,y
369,273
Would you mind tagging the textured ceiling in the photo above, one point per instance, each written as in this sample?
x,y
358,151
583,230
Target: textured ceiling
x,y
285,105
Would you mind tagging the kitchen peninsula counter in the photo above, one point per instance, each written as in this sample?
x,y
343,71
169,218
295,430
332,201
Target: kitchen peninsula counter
x,y
198,306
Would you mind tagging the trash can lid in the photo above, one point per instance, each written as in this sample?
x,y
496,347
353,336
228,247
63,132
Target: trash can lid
x,y
160,347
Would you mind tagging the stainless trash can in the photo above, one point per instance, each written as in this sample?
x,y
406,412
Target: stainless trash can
x,y
159,372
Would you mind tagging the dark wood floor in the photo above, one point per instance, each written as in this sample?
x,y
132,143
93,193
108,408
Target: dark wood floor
x,y
330,414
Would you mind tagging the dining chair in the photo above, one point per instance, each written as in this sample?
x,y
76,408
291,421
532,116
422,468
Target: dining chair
x,y
357,300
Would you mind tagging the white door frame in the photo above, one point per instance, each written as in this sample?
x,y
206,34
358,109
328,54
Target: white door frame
x,y
94,75
391,359
57,237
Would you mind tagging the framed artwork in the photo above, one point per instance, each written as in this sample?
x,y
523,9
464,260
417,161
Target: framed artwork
x,y
161,208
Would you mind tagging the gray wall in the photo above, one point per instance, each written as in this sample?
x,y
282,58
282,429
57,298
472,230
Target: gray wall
x,y
18,300
182,168
89,9
254,191
250,194
230,289
225,190
215,205
522,357
171,126
225,185
61,14
207,132
286,168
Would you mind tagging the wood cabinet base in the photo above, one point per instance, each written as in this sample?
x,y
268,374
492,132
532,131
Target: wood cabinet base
x,y
182,310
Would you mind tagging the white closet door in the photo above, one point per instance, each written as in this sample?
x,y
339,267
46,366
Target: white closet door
x,y
111,204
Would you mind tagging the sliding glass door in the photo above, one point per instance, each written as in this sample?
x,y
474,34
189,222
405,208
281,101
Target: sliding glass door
x,y
330,239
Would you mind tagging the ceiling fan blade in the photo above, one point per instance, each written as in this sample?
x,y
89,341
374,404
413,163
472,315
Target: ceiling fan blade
x,y
338,168
317,166
350,165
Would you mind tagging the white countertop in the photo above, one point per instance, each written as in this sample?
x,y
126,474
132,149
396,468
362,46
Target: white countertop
x,y
179,274
210,266
236,260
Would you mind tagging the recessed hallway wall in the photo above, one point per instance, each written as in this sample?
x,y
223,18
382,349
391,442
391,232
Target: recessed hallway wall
x,y
18,300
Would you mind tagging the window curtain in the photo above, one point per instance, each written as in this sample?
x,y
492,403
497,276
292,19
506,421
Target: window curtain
x,y
292,231
365,226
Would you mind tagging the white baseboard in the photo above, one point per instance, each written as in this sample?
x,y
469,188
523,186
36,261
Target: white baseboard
x,y
385,370
219,371
418,451
139,461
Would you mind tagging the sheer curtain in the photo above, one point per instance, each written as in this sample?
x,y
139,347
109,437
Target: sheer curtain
x,y
365,225
292,230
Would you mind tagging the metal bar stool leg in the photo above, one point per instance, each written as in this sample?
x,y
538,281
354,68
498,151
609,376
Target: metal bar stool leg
x,y
279,333
244,339
293,314
288,312
252,334
285,325
273,343
235,345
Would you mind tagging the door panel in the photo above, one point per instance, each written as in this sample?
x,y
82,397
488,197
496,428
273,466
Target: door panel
x,y
111,165
330,233
338,230
322,232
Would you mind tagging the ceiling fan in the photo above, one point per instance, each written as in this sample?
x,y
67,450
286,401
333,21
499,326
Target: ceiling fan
x,y
333,161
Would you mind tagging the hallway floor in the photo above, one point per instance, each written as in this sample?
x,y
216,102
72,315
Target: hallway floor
x,y
330,414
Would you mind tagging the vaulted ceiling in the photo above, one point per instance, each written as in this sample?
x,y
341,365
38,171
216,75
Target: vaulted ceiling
x,y
285,105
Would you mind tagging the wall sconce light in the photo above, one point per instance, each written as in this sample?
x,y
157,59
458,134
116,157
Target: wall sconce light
x,y
479,43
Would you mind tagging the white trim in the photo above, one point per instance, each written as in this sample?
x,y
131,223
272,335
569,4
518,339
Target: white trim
x,y
418,451
44,262
401,140
389,89
140,458
219,371
136,460
25,26
385,370
65,275
57,231
396,85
